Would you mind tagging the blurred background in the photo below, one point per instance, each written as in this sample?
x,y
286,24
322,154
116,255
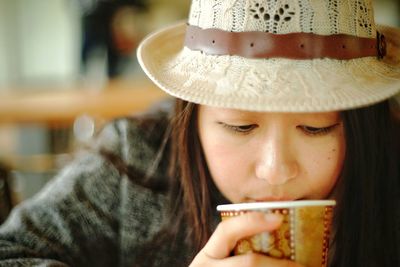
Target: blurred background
x,y
66,68
69,66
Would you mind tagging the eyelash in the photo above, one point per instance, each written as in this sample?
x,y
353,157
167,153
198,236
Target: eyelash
x,y
308,130
314,131
241,129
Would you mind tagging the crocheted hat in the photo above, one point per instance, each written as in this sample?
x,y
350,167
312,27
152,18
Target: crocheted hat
x,y
276,55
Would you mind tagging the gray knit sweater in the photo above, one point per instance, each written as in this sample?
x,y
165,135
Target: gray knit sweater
x,y
93,215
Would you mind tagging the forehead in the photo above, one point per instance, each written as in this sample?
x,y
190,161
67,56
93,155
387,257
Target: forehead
x,y
243,114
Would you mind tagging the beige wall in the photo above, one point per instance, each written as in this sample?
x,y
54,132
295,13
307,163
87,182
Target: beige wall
x,y
48,50
387,12
37,41
7,55
40,39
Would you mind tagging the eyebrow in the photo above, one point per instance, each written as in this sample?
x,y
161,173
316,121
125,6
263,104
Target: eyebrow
x,y
237,113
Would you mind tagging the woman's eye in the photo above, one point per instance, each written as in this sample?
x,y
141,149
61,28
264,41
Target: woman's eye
x,y
240,128
309,130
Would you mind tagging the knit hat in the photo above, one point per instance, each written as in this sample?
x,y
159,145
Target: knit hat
x,y
276,55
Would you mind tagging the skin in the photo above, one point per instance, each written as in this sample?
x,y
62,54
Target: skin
x,y
263,156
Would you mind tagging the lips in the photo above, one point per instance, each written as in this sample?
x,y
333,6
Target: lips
x,y
273,194
271,198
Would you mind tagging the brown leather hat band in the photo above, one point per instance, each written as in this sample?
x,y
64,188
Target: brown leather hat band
x,y
292,45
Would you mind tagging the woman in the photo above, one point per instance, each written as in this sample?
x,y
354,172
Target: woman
x,y
276,100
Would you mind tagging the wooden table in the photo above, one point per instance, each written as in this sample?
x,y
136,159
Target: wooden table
x,y
57,107
61,106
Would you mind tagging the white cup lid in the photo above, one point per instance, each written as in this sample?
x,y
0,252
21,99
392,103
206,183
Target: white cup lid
x,y
275,205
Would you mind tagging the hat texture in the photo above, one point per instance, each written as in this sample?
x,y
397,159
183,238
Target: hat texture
x,y
275,83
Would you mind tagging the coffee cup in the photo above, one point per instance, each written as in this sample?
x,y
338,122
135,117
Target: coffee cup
x,y
303,236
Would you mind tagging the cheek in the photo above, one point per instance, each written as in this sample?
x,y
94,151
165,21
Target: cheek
x,y
323,168
227,166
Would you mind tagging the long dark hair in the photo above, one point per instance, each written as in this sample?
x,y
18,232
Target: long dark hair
x,y
367,218
192,193
191,179
366,228
367,231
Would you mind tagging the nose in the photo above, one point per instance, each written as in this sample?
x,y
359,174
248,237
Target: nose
x,y
277,164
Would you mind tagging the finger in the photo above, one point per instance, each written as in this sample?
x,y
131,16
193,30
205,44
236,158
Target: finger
x,y
254,260
230,231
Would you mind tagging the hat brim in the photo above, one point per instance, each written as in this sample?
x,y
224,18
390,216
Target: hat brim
x,y
278,85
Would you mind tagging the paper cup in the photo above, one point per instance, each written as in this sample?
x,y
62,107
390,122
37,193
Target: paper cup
x,y
303,236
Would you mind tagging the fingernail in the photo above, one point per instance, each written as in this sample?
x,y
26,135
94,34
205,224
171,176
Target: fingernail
x,y
273,218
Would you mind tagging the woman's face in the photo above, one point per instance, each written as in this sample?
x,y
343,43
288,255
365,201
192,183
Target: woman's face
x,y
254,156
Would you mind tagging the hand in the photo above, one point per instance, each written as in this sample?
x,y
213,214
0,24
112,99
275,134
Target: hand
x,y
218,248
